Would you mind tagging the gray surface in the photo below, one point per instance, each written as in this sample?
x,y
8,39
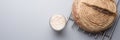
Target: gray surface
x,y
29,20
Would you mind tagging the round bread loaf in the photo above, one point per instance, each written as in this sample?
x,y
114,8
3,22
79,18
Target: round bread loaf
x,y
94,15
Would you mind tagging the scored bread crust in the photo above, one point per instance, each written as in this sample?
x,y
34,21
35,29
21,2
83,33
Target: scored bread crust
x,y
95,15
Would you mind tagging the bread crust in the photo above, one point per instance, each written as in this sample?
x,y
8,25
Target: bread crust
x,y
94,16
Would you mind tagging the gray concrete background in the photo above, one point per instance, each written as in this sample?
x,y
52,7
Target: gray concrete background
x,y
29,20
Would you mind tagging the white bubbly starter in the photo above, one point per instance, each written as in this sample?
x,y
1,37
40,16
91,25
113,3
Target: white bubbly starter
x,y
57,22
